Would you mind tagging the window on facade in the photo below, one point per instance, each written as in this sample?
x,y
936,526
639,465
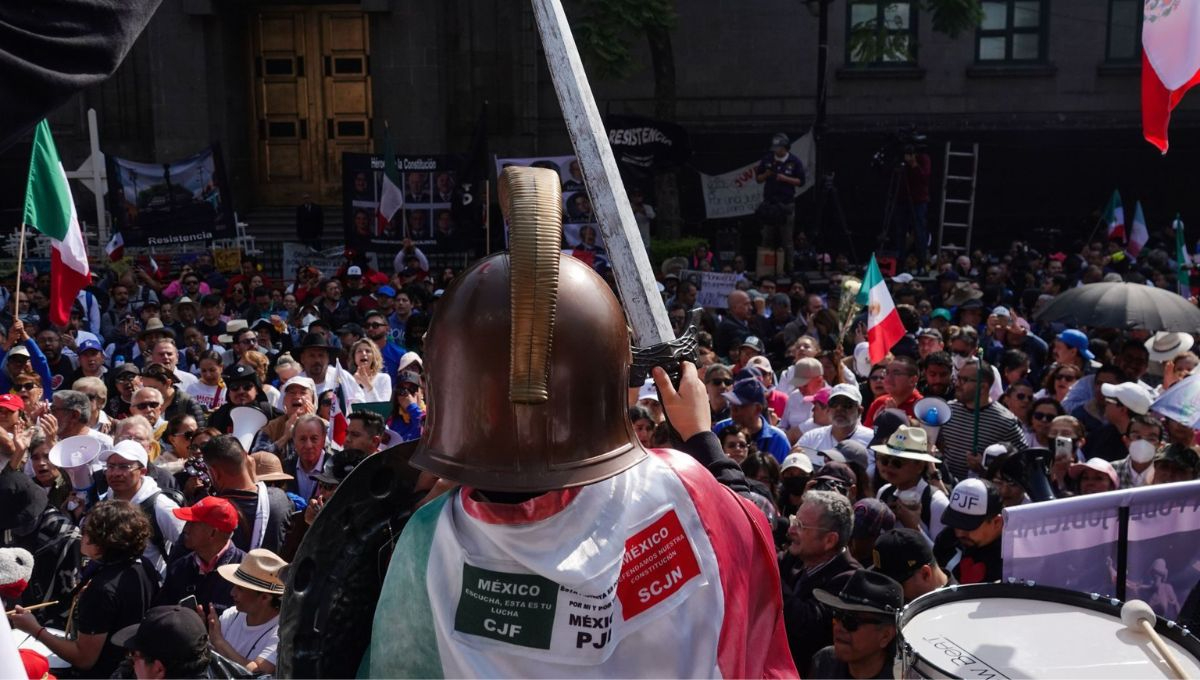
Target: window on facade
x,y
880,32
1012,31
1124,31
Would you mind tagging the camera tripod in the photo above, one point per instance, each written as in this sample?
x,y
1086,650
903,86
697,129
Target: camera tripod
x,y
896,183
828,191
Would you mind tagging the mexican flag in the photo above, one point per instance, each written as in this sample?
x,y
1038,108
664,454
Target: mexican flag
x,y
1170,63
884,329
50,210
392,198
1138,235
1114,217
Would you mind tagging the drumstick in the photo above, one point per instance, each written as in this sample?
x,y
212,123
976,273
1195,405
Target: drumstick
x,y
1137,615
33,607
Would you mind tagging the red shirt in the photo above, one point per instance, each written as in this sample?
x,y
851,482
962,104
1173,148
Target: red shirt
x,y
878,405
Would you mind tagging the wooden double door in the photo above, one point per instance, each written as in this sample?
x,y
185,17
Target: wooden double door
x,y
311,85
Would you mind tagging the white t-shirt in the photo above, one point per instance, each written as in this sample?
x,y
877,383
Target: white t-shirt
x,y
210,397
822,437
186,379
252,642
380,390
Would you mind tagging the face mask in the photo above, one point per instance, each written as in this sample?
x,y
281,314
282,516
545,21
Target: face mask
x,y
1142,451
958,361
794,486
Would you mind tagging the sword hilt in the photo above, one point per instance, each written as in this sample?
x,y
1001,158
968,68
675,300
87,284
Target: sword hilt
x,y
668,355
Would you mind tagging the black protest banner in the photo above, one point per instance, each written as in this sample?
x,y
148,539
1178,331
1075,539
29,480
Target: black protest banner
x,y
158,204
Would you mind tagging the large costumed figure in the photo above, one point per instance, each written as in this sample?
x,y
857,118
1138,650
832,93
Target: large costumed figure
x,y
568,550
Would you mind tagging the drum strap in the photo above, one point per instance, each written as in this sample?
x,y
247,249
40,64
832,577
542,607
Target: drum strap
x,y
953,562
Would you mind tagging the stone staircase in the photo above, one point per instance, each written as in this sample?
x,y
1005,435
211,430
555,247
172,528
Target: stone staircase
x,y
272,226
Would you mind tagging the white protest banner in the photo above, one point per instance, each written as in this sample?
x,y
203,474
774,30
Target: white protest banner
x,y
1074,543
327,261
736,193
714,287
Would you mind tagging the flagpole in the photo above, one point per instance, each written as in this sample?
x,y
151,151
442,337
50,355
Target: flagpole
x,y
487,217
20,263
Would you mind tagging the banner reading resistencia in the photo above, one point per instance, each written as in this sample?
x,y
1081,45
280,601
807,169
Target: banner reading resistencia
x,y
159,204
442,212
1073,543
736,193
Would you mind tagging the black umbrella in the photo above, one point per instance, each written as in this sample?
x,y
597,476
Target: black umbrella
x,y
1123,305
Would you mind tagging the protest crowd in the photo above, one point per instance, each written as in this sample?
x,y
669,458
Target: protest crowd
x,y
223,410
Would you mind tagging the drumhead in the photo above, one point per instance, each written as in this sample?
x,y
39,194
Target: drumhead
x,y
1022,631
24,640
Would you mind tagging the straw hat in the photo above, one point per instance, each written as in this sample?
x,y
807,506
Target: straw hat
x,y
907,442
267,468
261,570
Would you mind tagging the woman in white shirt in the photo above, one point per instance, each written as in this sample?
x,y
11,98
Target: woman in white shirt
x,y
368,362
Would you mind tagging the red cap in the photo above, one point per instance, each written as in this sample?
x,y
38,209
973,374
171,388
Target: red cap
x,y
12,402
37,666
217,513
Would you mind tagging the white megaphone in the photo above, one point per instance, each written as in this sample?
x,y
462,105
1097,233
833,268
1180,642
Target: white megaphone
x,y
74,456
932,414
246,423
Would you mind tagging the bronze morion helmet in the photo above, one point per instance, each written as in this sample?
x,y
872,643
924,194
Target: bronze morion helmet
x,y
527,362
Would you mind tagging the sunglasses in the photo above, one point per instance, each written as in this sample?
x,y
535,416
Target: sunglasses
x,y
723,382
1022,396
1066,378
244,387
851,621
25,387
891,461
1043,416
377,325
147,404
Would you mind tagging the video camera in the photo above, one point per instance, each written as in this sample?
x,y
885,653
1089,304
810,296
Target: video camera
x,y
891,154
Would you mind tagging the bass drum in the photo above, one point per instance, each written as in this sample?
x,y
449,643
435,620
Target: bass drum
x,y
1014,630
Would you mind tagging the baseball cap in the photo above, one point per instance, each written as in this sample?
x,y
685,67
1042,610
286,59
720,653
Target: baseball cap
x,y
88,345
301,380
837,472
805,370
971,502
1077,340
753,342
900,553
12,402
798,459
940,313
240,373
871,517
930,333
171,634
385,291
1002,312
846,390
1099,465
129,450
18,351
820,397
1130,394
126,368
648,390
354,271
903,277
746,391
217,513
351,328
851,451
410,377
862,590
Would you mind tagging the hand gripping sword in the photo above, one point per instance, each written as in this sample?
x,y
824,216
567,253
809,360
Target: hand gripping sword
x,y
654,340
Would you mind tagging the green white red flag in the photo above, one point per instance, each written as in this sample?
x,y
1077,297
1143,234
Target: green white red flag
x,y
50,210
391,198
1114,217
1170,62
1139,234
884,329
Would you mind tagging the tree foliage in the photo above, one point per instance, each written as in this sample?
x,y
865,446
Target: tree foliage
x,y
606,29
871,42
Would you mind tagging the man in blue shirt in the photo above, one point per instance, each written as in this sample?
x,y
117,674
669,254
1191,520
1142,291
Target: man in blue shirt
x,y
747,402
378,331
780,172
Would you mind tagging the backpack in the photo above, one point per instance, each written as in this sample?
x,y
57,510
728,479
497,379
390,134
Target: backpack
x,y
147,506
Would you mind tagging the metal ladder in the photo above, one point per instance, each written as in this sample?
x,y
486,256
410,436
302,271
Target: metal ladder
x,y
958,196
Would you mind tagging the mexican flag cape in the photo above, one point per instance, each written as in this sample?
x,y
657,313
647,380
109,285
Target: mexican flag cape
x,y
657,572
50,210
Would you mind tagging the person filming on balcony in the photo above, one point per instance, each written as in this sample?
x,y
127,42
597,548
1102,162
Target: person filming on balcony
x,y
781,173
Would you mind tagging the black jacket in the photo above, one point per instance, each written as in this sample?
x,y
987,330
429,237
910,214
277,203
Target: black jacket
x,y
809,624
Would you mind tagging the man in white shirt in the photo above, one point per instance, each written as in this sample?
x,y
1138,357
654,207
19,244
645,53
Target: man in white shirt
x,y
806,380
125,466
845,409
166,353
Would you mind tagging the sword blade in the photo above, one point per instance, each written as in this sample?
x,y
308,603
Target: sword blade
x,y
634,274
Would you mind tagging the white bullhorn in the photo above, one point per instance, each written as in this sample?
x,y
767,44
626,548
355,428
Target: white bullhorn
x,y
246,423
74,456
932,413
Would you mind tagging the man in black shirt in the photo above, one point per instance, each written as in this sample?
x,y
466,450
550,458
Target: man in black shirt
x,y
969,547
263,511
904,555
61,367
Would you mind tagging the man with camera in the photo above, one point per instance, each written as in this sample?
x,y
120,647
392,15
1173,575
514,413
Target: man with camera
x,y
780,172
913,205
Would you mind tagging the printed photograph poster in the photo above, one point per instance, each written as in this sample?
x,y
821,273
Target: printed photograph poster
x,y
579,219
159,204
442,212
